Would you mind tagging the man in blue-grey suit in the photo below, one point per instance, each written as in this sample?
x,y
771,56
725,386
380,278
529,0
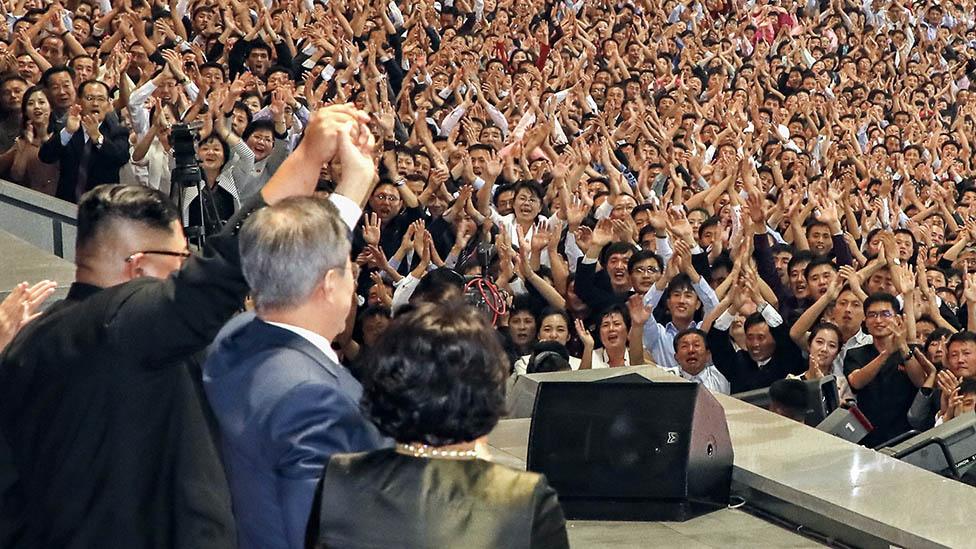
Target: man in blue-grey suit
x,y
283,402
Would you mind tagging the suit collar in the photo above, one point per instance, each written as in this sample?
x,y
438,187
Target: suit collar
x,y
275,335
80,291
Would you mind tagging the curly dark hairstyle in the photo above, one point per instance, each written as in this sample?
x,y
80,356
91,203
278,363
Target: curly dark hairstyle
x,y
440,380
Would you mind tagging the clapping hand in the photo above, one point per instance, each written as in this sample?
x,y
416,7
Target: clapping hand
x,y
20,307
73,121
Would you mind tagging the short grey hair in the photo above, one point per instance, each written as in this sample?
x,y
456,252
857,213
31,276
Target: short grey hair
x,y
287,248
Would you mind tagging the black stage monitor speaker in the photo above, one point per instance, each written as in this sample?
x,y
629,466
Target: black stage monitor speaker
x,y
849,424
522,389
949,449
822,398
632,449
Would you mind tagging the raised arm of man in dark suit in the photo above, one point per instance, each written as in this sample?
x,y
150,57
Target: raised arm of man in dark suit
x,y
52,149
199,298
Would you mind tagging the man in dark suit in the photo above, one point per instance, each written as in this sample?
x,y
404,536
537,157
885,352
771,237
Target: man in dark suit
x,y
283,402
107,436
769,355
90,147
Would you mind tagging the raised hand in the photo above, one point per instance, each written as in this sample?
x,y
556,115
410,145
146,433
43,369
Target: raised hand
x,y
639,313
586,338
73,120
382,292
680,226
969,289
417,229
371,229
540,236
602,233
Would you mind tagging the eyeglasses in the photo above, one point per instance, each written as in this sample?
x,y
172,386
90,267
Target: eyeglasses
x,y
879,314
96,98
386,197
183,255
646,270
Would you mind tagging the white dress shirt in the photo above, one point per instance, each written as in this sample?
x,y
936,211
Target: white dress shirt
x,y
317,340
710,378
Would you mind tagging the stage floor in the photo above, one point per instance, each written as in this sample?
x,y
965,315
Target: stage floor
x,y
719,529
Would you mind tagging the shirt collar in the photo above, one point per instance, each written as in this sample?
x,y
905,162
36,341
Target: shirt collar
x,y
317,340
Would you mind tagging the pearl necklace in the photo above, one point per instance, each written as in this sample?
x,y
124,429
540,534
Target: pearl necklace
x,y
425,451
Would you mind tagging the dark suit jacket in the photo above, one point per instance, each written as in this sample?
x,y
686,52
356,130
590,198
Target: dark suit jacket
x,y
283,408
385,499
104,162
108,439
743,373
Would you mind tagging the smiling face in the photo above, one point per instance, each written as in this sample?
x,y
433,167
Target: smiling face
x,y
617,271
61,89
261,142
644,274
881,319
824,347
759,342
38,108
682,303
798,281
211,154
554,328
527,205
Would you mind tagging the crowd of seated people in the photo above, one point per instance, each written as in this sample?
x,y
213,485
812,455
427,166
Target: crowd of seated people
x,y
737,192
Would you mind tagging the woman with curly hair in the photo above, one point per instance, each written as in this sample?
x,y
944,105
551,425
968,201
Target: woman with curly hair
x,y
437,388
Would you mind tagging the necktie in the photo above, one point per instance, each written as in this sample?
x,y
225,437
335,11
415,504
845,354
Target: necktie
x,y
83,161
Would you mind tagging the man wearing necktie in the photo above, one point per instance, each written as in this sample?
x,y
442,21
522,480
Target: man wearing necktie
x,y
91,147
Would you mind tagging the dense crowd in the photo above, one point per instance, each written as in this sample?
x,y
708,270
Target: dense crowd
x,y
739,192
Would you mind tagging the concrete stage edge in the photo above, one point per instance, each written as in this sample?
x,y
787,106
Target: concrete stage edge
x,y
829,487
23,262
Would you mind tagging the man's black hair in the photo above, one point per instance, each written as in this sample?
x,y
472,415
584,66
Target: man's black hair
x,y
501,188
882,297
643,255
689,332
754,319
964,336
615,248
818,261
680,282
46,76
136,203
281,68
800,256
